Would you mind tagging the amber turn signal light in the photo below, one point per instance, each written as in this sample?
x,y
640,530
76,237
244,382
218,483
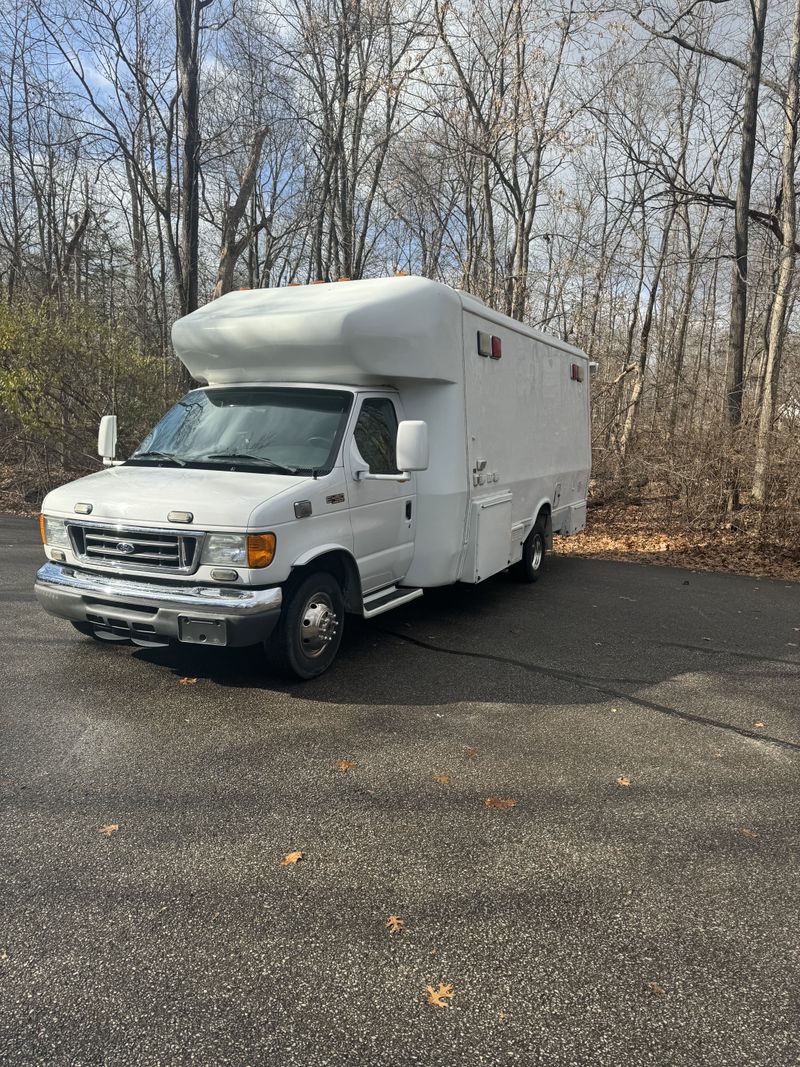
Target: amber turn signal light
x,y
260,549
41,529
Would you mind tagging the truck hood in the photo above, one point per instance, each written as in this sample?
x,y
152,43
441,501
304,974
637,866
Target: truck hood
x,y
222,500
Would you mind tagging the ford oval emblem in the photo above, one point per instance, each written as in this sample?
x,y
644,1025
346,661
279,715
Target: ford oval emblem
x,y
126,547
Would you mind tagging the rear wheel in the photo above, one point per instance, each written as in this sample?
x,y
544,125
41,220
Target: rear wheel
x,y
310,630
533,552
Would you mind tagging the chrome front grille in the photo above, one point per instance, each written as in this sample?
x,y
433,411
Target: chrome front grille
x,y
144,549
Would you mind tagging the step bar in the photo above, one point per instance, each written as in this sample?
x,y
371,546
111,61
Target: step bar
x,y
386,599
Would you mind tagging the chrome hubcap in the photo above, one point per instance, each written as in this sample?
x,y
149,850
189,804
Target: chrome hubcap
x,y
318,624
536,556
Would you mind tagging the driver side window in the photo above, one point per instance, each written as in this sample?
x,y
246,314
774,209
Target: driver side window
x,y
376,435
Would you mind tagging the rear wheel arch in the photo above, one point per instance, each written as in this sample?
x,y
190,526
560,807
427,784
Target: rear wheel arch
x,y
545,516
536,545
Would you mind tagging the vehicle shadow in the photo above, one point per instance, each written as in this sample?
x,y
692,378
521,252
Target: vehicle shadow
x,y
558,642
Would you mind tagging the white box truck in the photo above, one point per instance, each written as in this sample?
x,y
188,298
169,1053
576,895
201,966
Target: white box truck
x,y
349,445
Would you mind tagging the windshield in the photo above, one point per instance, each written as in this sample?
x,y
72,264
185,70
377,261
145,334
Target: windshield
x,y
280,430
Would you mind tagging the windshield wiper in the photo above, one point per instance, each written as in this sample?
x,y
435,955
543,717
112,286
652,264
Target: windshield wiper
x,y
159,455
243,457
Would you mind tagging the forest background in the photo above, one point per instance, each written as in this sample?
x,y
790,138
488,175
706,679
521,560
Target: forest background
x,y
621,176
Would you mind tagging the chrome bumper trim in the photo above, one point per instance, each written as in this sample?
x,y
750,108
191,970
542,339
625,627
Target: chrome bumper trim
x,y
244,601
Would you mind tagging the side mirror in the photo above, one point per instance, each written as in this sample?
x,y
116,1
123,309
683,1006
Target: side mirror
x,y
412,446
107,439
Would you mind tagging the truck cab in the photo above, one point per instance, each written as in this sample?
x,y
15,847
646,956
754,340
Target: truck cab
x,y
299,488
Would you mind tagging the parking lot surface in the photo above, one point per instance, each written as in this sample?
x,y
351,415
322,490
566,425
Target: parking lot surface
x,y
636,904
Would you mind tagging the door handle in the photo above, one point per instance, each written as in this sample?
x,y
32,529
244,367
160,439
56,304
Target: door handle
x,y
408,509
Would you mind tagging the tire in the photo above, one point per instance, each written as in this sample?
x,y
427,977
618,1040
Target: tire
x,y
309,633
534,549
86,629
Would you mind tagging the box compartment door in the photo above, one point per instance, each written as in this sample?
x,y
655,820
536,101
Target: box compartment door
x,y
489,538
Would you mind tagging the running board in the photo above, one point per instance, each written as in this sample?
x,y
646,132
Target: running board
x,y
386,599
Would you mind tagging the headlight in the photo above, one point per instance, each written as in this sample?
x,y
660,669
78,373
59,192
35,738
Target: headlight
x,y
225,548
54,532
239,550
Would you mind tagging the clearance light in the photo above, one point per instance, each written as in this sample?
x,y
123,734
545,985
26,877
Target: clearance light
x,y
260,549
484,343
180,516
497,348
83,509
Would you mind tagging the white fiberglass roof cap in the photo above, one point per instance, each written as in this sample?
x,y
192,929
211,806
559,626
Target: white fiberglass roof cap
x,y
354,332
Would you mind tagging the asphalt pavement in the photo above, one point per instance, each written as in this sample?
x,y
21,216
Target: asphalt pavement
x,y
636,904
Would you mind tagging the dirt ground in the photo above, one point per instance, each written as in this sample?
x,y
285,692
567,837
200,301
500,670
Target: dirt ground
x,y
642,534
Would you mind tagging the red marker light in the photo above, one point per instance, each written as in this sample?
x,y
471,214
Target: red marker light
x,y
497,348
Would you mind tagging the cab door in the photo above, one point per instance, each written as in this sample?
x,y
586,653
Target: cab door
x,y
382,513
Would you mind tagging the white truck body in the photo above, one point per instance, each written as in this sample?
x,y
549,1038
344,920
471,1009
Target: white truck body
x,y
508,426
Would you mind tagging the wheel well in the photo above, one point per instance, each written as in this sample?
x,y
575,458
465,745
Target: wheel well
x,y
545,512
343,568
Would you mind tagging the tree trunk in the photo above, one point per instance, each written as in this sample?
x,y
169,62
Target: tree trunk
x,y
644,340
187,31
232,245
736,336
777,319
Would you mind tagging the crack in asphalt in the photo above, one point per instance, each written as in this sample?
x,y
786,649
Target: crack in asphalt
x,y
583,682
709,650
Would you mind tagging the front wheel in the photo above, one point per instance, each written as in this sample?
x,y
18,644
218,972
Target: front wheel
x,y
310,630
533,552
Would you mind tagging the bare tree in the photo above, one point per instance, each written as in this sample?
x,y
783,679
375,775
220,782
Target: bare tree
x,y
786,261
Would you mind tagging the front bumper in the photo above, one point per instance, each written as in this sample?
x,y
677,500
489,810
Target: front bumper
x,y
152,613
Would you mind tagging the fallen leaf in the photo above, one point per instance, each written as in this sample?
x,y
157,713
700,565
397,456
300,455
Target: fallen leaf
x,y
615,709
345,765
471,751
746,832
759,725
623,780
499,803
501,1015
188,681
291,858
442,778
656,989
439,997
109,828
395,925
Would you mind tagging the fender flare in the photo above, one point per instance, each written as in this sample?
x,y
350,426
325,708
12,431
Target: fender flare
x,y
346,564
544,503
